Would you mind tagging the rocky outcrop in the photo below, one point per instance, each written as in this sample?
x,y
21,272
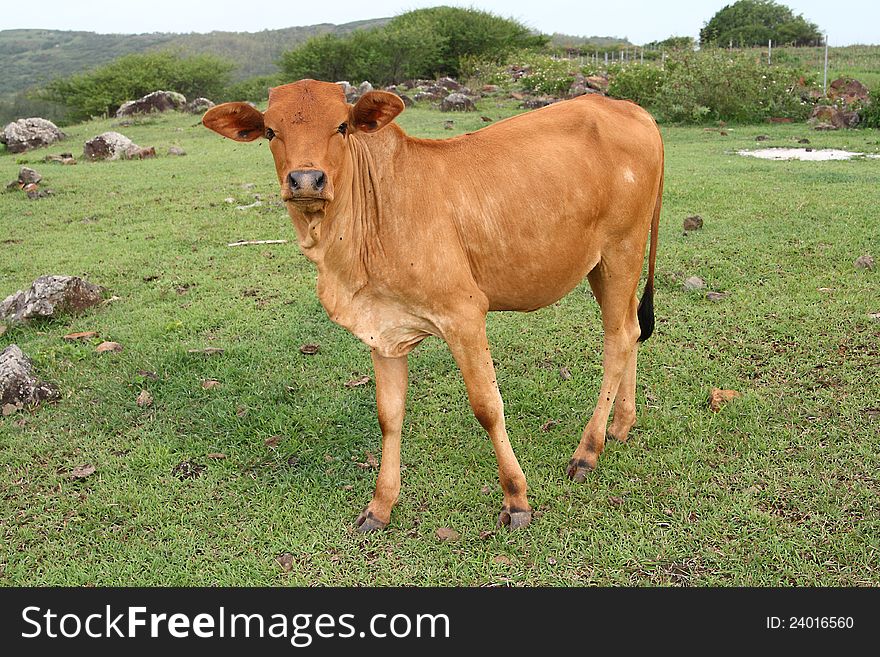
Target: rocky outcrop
x,y
831,117
158,101
26,134
848,91
50,296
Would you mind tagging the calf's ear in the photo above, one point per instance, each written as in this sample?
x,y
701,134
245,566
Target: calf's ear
x,y
238,121
374,110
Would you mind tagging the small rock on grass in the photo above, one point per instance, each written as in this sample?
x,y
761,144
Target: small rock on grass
x,y
359,381
285,561
82,335
874,316
864,262
210,384
108,346
144,399
549,424
19,387
187,470
693,283
447,534
50,296
719,397
82,471
309,349
694,222
715,297
207,351
28,176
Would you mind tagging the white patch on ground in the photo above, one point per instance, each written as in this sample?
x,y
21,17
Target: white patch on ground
x,y
819,155
628,175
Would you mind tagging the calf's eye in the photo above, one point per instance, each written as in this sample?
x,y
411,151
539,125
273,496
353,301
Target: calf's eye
x,y
270,134
342,129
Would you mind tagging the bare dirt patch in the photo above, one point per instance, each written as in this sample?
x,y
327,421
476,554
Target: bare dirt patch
x,y
807,154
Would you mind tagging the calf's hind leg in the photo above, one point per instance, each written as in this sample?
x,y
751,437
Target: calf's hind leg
x,y
615,290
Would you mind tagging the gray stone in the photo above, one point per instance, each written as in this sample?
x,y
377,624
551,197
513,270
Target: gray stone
x,y
176,150
694,283
457,102
157,101
50,296
350,92
199,105
24,134
537,103
18,385
864,262
450,84
364,87
694,222
27,175
111,146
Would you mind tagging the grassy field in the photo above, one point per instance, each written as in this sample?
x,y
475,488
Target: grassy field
x,y
781,487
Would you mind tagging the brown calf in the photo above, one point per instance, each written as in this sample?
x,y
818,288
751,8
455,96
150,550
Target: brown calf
x,y
416,237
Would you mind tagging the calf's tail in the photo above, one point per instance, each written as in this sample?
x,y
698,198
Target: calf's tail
x,y
646,305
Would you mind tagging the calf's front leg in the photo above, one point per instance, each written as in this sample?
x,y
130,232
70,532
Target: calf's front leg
x,y
470,348
392,375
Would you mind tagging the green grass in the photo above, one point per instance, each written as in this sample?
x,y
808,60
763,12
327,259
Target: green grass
x,y
779,488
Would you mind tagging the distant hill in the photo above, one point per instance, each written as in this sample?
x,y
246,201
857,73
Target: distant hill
x,y
30,58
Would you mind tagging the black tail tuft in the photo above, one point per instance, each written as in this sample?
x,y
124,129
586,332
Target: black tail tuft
x,y
646,313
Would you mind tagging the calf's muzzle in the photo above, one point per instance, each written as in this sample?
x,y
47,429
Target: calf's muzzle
x,y
306,183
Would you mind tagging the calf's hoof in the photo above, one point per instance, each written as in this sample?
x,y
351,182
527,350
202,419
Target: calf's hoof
x,y
514,519
367,522
578,469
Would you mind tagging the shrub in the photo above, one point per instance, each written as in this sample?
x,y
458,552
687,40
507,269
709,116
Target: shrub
x,y
255,89
636,82
870,111
713,85
417,44
103,90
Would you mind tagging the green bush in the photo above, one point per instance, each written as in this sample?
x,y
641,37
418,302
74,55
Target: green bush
x,y
870,111
548,75
418,44
713,85
101,91
640,83
255,89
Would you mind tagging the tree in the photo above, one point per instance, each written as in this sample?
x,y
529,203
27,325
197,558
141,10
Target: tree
x,y
754,22
417,44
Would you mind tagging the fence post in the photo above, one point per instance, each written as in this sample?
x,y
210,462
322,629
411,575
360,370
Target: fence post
x,y
769,50
825,77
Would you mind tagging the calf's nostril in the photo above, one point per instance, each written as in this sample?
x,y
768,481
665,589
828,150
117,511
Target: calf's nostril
x,y
320,179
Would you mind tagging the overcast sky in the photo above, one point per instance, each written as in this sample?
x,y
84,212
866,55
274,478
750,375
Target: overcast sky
x,y
847,22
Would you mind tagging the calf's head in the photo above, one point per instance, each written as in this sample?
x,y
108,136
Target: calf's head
x,y
308,125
